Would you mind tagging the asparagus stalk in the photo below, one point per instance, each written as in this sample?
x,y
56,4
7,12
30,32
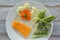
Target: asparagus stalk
x,y
42,13
49,19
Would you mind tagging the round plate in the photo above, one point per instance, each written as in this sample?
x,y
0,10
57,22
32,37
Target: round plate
x,y
11,15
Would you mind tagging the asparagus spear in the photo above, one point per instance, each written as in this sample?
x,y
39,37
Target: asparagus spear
x,y
49,19
42,13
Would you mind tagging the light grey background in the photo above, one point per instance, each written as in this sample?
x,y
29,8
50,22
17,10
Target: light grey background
x,y
52,5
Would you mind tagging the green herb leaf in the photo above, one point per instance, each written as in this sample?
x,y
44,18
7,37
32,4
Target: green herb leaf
x,y
25,15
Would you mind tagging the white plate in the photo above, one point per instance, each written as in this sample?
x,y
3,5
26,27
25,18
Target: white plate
x,y
11,15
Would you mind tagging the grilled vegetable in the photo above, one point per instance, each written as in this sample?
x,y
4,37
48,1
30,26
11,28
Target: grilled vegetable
x,y
42,13
43,26
42,29
49,19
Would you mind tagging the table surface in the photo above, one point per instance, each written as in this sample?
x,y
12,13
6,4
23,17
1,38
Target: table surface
x,y
6,5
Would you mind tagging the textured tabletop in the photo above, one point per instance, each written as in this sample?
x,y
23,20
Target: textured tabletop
x,y
6,5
